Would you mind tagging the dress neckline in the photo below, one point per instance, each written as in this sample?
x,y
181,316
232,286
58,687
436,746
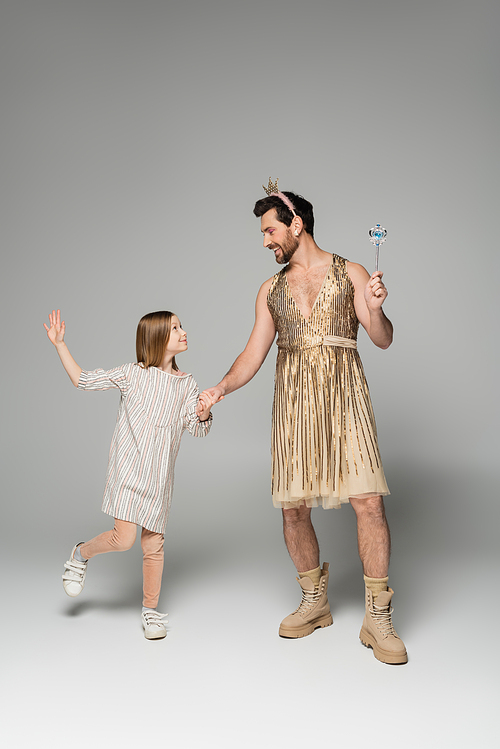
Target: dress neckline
x,y
307,319
171,374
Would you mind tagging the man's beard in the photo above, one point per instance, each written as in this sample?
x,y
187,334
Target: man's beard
x,y
288,248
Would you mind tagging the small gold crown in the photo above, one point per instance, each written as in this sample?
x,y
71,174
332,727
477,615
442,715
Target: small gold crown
x,y
272,187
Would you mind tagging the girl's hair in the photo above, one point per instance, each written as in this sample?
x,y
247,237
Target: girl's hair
x,y
153,333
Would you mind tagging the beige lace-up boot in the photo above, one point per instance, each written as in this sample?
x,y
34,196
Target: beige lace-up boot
x,y
314,609
378,631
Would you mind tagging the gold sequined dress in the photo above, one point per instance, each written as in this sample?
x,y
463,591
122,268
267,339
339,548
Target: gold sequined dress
x,y
324,438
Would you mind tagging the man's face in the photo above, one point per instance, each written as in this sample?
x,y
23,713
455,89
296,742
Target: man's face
x,y
278,237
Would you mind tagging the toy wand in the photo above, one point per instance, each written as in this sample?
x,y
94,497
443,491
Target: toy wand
x,y
378,235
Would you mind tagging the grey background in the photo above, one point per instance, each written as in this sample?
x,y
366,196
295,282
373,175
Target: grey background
x,y
135,139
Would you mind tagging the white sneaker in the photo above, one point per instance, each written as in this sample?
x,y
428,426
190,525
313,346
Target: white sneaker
x,y
74,574
154,629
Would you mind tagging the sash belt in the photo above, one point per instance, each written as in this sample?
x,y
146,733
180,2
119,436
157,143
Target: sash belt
x,y
336,340
327,340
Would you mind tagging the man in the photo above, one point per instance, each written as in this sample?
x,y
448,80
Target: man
x,y
324,441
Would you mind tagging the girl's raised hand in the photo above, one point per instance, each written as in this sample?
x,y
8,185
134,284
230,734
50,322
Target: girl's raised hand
x,y
57,328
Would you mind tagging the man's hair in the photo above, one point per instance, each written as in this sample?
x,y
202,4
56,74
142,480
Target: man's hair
x,y
303,208
153,334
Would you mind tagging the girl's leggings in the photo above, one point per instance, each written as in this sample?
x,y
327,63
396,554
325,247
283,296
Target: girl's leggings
x,y
122,538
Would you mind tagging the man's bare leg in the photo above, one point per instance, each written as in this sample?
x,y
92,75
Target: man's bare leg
x,y
374,539
300,538
374,544
302,544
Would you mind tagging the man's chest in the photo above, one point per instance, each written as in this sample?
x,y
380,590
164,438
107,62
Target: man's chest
x,y
305,287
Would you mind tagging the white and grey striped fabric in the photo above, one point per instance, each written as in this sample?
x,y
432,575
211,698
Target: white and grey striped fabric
x,y
155,409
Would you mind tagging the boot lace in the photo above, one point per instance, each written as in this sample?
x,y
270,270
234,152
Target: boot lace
x,y
309,600
383,620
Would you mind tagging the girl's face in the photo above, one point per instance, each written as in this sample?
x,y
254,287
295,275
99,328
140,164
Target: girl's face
x,y
178,338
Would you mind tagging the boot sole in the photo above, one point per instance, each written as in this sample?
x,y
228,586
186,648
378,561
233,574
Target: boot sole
x,y
295,632
384,656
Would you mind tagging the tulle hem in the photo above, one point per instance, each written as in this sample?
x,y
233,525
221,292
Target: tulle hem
x,y
327,503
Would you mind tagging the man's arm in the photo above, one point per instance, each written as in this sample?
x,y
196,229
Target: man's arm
x,y
251,359
369,295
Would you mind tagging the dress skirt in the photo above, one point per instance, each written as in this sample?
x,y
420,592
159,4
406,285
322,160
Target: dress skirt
x,y
324,437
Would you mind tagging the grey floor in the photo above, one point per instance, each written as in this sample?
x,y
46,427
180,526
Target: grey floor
x,y
81,671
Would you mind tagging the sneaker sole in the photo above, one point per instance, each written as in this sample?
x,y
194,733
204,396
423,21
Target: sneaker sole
x,y
384,656
155,635
292,633
72,595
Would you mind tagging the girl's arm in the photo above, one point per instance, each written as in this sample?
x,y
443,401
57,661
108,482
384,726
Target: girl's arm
x,y
56,336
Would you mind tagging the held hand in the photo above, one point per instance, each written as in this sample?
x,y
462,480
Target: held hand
x,y
375,292
203,408
57,328
214,395
210,397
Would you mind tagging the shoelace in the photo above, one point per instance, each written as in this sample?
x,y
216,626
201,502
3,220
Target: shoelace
x,y
154,618
309,599
383,620
74,570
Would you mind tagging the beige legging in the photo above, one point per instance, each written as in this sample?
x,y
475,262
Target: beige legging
x,y
122,538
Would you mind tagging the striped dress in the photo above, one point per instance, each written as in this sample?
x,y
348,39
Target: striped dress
x,y
155,409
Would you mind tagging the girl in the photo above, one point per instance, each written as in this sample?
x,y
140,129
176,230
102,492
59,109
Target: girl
x,y
158,402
